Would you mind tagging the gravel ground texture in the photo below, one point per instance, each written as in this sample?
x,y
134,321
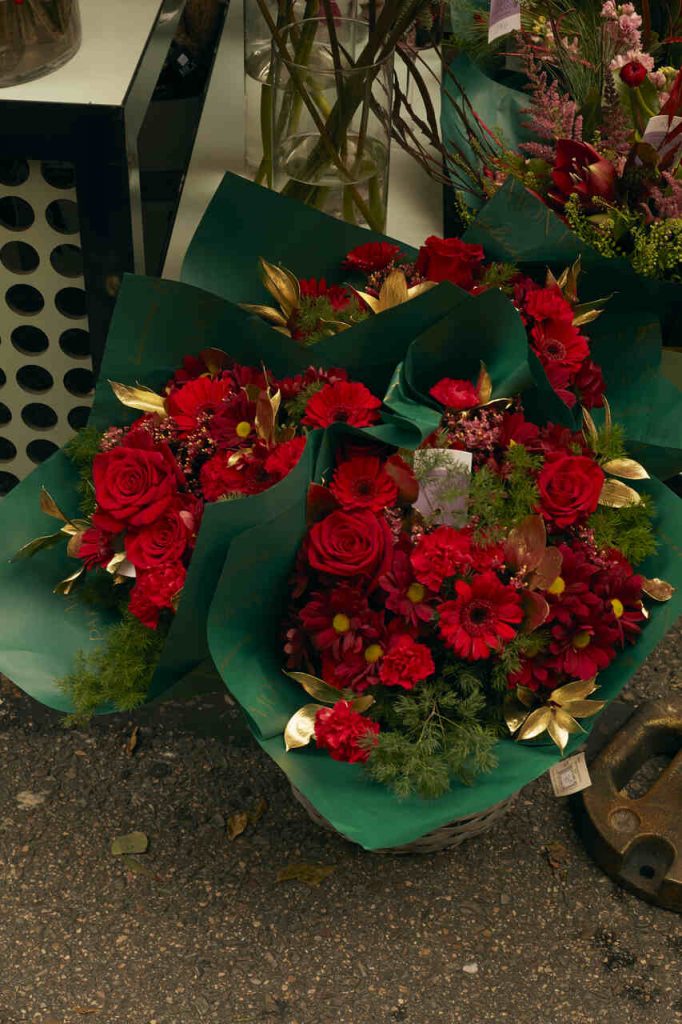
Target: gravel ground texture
x,y
517,926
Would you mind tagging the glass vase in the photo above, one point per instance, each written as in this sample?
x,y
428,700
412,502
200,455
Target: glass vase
x,y
331,120
257,58
36,36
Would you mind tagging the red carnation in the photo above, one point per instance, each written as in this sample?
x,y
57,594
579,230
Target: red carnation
x,y
340,730
351,544
335,294
344,402
633,73
363,483
283,457
198,399
569,487
455,394
440,554
372,256
590,385
484,615
406,663
154,590
450,259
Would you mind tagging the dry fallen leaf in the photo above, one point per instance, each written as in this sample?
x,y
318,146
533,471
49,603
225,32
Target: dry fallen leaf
x,y
557,855
236,824
258,810
131,745
311,874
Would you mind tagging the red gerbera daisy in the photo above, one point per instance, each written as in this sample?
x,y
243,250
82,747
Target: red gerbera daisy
x,y
363,483
344,402
484,615
204,395
372,256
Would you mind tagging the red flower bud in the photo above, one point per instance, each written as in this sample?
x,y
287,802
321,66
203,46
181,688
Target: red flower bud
x,y
633,73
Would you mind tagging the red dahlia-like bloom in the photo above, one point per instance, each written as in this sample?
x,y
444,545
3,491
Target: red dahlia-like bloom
x,y
406,663
363,483
342,403
372,256
455,394
340,730
196,400
440,554
482,618
335,294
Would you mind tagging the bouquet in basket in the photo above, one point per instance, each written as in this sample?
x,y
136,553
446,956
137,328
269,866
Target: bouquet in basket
x,y
479,584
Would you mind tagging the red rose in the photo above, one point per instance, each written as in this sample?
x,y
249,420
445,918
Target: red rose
x,y
164,540
154,590
372,256
406,663
339,730
283,457
580,170
455,394
449,259
569,487
363,483
633,73
350,544
344,402
134,482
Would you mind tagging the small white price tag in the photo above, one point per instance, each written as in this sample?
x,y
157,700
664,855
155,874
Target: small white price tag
x,y
570,776
505,17
444,476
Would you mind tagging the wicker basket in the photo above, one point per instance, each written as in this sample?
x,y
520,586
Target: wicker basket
x,y
443,838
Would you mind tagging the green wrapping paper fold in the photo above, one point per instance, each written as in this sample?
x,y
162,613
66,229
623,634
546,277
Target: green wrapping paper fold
x,y
155,324
244,628
245,222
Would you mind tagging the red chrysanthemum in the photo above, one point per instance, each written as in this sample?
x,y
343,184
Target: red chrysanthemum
x,y
443,553
340,730
363,483
372,256
483,617
585,646
338,620
621,590
335,294
406,663
344,402
405,596
234,422
195,401
455,394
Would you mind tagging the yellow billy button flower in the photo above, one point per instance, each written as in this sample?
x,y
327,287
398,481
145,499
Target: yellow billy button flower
x,y
581,640
416,592
243,429
617,607
373,653
341,623
557,588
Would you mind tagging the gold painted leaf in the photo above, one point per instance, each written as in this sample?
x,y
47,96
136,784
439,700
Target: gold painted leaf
x,y
317,688
420,289
30,549
50,507
73,545
615,494
608,419
267,313
578,690
362,704
267,407
626,468
484,385
589,428
536,610
282,285
214,359
370,300
567,721
526,544
526,696
330,328
587,317
585,708
551,281
515,713
116,561
558,733
140,398
393,291
65,587
300,728
535,724
548,569
659,590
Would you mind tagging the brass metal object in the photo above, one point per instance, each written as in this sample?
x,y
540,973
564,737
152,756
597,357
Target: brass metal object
x,y
638,841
